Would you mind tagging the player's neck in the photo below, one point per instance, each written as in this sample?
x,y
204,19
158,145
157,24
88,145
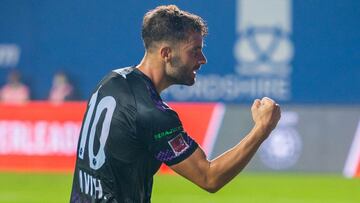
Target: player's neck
x,y
154,69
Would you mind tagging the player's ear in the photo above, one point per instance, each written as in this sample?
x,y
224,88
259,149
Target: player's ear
x,y
165,53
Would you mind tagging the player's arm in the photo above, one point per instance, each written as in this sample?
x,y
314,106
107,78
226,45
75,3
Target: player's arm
x,y
213,175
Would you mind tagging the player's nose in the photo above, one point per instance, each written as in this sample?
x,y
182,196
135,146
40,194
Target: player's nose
x,y
202,59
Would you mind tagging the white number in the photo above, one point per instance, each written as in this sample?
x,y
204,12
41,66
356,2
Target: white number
x,y
107,103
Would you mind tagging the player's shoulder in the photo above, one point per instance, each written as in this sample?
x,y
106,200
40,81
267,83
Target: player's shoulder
x,y
158,114
116,79
124,71
114,84
134,78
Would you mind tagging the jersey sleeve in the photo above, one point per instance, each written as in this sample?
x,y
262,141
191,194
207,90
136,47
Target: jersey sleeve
x,y
175,149
169,143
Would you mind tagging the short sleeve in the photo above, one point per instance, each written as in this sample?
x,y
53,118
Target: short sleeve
x,y
169,143
175,149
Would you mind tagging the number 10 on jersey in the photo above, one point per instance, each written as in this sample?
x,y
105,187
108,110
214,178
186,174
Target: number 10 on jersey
x,y
107,104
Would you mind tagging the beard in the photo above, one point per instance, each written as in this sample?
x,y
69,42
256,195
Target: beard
x,y
180,73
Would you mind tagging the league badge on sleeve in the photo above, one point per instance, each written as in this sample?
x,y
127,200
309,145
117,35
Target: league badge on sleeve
x,y
178,144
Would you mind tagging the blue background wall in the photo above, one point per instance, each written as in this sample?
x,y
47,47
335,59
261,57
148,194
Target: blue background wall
x,y
89,38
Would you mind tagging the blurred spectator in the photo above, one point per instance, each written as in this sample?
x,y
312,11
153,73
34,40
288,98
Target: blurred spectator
x,y
61,90
14,91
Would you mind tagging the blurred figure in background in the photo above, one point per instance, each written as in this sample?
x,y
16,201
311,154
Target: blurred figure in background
x,y
61,90
14,91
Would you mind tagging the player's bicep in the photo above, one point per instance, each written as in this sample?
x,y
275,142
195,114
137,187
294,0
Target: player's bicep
x,y
194,168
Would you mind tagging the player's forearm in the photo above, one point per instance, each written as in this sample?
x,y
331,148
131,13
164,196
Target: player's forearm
x,y
226,166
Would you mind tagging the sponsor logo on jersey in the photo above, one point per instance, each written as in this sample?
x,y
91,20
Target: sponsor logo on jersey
x,y
167,132
178,144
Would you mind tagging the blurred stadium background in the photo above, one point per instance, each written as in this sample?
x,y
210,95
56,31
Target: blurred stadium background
x,y
304,54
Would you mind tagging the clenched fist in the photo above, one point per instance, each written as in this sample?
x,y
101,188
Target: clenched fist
x,y
266,114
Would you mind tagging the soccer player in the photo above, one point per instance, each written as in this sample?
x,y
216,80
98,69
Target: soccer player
x,y
128,131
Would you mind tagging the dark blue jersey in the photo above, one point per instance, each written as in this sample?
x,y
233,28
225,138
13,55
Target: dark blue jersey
x,y
127,132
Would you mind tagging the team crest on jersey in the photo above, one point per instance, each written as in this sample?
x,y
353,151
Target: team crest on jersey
x,y
178,144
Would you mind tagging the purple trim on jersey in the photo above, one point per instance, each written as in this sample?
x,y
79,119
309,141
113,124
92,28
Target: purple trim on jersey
x,y
77,197
155,97
169,155
159,104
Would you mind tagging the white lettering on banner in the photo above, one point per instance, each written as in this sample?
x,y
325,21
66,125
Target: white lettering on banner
x,y
9,55
39,137
231,87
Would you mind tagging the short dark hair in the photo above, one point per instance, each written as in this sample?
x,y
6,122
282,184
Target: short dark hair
x,y
169,23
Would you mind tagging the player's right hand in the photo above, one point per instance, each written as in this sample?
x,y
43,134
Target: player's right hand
x,y
266,114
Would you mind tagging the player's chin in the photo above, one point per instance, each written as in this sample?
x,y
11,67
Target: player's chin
x,y
191,80
187,80
191,83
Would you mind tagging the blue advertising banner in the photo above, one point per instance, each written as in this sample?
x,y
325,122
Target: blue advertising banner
x,y
293,51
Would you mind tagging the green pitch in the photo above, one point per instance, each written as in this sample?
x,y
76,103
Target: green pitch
x,y
247,188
